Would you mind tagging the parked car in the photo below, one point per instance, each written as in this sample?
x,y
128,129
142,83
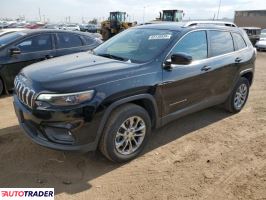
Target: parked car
x,y
34,25
23,48
263,31
139,80
261,44
71,27
88,28
10,30
253,33
51,26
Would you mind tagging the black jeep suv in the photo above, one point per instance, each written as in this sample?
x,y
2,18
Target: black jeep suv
x,y
111,98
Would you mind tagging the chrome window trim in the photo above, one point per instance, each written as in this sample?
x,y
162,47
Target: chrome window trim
x,y
210,58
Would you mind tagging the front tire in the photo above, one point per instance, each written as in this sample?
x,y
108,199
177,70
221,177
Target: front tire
x,y
125,133
238,98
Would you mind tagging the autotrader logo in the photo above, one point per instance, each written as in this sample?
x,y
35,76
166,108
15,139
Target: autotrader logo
x,y
27,193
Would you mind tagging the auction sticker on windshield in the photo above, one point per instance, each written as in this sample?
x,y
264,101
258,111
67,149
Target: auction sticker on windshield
x,y
27,193
160,37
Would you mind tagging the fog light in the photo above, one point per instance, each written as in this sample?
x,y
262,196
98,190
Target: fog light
x,y
60,135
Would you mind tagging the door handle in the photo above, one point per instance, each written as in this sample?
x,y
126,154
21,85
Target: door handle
x,y
206,68
238,60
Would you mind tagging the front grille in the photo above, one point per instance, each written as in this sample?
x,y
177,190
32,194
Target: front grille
x,y
25,94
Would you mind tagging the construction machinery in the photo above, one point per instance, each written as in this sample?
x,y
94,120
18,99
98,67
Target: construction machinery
x,y
115,24
171,15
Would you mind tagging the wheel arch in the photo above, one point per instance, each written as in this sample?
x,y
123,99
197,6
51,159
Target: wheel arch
x,y
146,101
248,74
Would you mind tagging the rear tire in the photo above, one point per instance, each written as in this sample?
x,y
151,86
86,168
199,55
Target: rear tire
x,y
125,133
238,98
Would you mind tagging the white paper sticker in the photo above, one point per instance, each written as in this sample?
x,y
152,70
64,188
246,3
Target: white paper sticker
x,y
160,37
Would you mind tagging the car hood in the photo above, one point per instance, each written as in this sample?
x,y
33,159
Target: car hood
x,y
83,70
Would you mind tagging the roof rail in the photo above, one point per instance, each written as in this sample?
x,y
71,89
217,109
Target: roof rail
x,y
219,23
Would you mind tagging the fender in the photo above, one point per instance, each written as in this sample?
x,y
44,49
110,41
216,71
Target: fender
x,y
123,101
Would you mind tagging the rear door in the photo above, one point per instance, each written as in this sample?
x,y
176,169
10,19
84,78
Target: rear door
x,y
67,43
222,63
33,49
243,53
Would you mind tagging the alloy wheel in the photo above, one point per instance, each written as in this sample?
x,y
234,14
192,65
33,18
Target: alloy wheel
x,y
130,135
240,96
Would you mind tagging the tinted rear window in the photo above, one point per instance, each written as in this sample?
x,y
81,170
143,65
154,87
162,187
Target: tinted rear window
x,y
89,40
221,42
68,40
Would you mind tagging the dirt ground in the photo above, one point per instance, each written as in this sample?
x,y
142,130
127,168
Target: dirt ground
x,y
207,155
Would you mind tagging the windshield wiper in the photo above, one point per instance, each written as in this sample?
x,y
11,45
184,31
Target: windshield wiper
x,y
112,56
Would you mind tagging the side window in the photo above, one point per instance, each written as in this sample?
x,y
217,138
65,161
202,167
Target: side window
x,y
36,43
194,44
239,41
221,42
68,40
88,40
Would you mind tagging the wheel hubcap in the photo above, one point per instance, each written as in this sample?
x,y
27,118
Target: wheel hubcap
x,y
130,135
240,96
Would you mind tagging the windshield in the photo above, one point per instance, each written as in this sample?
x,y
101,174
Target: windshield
x,y
263,31
10,37
136,45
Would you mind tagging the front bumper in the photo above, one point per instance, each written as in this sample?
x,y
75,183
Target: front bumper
x,y
70,130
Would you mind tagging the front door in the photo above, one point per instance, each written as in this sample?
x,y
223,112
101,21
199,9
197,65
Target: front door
x,y
187,85
32,49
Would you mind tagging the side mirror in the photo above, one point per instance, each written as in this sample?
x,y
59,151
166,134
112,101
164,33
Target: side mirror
x,y
14,51
178,59
181,59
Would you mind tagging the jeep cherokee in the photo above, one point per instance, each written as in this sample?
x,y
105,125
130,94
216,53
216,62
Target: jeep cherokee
x,y
111,98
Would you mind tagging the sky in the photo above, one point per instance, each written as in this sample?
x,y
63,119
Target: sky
x,y
137,10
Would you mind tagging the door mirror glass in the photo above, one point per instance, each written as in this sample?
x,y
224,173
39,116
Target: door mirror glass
x,y
181,59
15,51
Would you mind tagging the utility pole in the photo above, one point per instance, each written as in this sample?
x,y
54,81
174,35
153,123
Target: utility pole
x,y
219,9
40,15
143,20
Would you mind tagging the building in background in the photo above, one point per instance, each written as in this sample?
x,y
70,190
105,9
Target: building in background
x,y
250,18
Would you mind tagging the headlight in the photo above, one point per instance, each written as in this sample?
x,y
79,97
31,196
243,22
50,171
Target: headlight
x,y
66,99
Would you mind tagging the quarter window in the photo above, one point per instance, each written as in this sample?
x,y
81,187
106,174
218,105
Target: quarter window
x,y
220,42
194,44
68,40
239,41
36,43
